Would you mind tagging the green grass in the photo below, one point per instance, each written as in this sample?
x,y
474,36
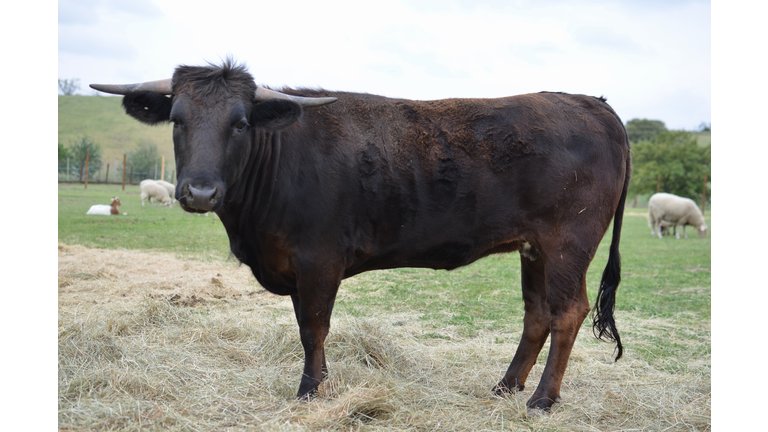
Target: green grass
x,y
662,279
105,122
148,227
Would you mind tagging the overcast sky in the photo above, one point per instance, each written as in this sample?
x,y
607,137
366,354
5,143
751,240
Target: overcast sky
x,y
650,59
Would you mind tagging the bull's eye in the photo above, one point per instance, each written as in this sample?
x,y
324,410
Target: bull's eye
x,y
241,125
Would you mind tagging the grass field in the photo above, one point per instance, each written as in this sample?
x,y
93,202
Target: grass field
x,y
159,330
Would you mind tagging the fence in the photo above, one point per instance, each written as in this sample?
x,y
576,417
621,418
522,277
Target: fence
x,y
113,175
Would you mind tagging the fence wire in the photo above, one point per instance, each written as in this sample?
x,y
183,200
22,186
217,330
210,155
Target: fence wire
x,y
114,176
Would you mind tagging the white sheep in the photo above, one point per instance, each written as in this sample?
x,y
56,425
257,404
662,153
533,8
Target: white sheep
x,y
170,187
105,210
672,210
150,189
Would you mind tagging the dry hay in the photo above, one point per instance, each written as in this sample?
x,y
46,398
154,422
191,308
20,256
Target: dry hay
x,y
151,342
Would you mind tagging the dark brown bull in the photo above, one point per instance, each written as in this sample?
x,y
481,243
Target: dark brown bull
x,y
309,197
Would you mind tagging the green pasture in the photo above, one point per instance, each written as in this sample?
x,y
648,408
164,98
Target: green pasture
x,y
148,227
662,279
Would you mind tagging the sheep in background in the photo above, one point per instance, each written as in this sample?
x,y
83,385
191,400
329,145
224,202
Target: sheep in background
x,y
170,187
105,210
672,210
150,189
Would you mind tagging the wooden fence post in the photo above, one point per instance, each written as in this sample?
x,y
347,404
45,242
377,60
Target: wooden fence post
x,y
106,178
123,171
87,155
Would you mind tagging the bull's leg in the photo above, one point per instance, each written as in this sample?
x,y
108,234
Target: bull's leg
x,y
313,305
569,306
535,326
296,310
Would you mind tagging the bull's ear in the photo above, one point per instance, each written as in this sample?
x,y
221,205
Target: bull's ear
x,y
147,107
275,114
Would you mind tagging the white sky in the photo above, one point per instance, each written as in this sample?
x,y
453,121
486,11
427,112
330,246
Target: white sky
x,y
650,59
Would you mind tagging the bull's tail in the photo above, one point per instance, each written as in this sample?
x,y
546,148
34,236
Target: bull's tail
x,y
603,324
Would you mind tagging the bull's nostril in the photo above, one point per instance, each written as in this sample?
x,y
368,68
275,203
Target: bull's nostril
x,y
204,198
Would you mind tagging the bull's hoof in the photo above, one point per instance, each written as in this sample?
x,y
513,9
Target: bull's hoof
x,y
307,390
307,396
541,403
503,389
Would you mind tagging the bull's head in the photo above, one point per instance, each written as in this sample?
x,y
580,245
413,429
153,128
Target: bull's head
x,y
215,112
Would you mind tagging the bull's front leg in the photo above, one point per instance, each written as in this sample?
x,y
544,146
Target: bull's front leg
x,y
313,305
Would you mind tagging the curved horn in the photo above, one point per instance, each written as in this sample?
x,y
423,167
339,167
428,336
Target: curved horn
x,y
160,86
263,94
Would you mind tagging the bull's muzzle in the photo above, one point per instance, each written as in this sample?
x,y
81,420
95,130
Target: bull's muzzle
x,y
202,199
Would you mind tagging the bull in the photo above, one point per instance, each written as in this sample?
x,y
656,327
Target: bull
x,y
314,186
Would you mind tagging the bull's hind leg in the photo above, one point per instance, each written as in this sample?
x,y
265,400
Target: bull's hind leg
x,y
535,326
568,307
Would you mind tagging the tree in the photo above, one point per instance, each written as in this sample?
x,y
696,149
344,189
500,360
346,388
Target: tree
x,y
68,87
144,158
64,153
644,130
85,146
675,159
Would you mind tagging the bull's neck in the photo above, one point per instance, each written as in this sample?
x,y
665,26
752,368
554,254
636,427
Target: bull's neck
x,y
250,198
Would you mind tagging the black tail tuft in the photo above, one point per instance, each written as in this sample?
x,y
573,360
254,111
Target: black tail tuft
x,y
603,325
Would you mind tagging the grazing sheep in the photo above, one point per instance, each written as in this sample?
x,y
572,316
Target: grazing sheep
x,y
150,189
105,210
170,187
674,211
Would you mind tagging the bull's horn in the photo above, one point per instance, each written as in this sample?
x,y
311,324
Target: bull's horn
x,y
263,94
160,86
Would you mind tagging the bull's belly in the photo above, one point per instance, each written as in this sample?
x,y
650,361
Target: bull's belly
x,y
444,256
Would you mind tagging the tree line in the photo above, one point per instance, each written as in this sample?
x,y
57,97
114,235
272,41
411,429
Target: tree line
x,y
668,160
142,160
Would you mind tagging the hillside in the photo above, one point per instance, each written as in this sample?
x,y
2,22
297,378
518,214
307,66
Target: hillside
x,y
104,121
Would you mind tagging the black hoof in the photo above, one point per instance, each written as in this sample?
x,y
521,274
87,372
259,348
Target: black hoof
x,y
503,389
541,403
307,395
